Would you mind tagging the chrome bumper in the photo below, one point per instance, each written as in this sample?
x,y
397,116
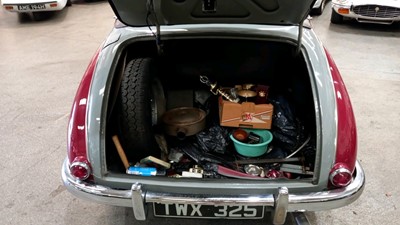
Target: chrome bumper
x,y
280,203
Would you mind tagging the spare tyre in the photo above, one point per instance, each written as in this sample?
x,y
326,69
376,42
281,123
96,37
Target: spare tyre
x,y
138,108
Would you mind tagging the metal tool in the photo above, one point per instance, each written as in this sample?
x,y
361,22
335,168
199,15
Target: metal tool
x,y
216,90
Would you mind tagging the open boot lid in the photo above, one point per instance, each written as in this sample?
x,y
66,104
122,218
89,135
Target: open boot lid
x,y
138,13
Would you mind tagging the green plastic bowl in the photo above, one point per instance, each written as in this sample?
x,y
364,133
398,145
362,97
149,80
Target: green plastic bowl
x,y
253,150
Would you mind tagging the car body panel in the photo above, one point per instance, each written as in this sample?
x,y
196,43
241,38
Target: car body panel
x,y
347,144
140,12
318,3
133,191
77,127
372,10
322,84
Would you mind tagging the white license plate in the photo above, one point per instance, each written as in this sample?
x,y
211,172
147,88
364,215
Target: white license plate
x,y
208,211
32,7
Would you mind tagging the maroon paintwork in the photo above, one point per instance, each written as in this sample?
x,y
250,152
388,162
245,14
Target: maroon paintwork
x,y
76,140
346,146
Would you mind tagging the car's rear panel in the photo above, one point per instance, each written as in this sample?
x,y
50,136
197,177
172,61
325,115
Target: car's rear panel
x,y
255,55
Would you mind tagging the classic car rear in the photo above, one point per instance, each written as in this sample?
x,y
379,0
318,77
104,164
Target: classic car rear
x,y
205,110
366,11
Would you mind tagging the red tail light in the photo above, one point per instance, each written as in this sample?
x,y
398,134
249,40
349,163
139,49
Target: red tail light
x,y
346,143
340,176
80,168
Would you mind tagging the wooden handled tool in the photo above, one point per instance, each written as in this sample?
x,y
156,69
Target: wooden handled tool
x,y
121,151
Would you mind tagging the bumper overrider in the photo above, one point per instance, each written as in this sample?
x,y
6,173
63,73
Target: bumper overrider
x,y
281,203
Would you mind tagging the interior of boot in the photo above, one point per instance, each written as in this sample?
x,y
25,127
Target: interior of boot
x,y
227,64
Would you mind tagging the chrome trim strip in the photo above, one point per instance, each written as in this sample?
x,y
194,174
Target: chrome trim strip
x,y
313,201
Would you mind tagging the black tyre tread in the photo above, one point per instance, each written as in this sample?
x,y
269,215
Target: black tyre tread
x,y
336,18
38,16
318,11
136,109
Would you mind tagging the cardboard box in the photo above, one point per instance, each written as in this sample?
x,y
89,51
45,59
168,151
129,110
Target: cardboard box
x,y
246,114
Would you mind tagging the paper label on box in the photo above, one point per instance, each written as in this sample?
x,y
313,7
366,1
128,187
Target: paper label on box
x,y
247,116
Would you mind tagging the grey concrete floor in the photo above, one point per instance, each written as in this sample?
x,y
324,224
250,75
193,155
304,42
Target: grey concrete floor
x,y
41,64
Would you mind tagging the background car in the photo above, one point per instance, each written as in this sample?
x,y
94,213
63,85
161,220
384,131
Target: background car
x,y
318,7
366,11
35,7
159,110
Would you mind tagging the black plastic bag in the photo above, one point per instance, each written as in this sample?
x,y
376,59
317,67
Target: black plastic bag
x,y
214,139
202,158
286,127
